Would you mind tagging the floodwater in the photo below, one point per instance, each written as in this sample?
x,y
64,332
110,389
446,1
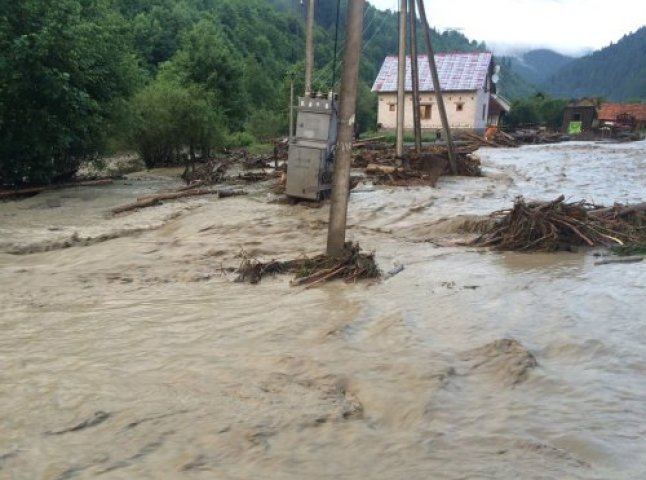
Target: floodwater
x,y
127,351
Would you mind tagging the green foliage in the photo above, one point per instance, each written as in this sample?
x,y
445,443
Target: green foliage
x,y
265,125
617,72
170,118
512,85
239,140
536,110
165,75
65,71
206,59
366,108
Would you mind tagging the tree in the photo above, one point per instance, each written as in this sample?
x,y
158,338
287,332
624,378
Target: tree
x,y
65,71
537,109
207,59
171,118
265,125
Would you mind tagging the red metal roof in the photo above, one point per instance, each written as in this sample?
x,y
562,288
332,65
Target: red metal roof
x,y
609,111
457,72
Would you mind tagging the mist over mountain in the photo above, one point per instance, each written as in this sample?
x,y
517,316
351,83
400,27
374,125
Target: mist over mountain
x,y
536,66
616,72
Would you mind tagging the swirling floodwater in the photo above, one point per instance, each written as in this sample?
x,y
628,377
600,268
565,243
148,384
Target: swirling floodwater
x,y
128,352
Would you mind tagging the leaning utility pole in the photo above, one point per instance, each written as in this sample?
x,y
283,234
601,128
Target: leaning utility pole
x,y
436,87
309,47
414,70
401,79
347,105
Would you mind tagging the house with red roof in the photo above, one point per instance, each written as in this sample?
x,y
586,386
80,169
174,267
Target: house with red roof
x,y
631,115
467,90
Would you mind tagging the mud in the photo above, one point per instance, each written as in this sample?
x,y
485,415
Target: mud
x,y
466,364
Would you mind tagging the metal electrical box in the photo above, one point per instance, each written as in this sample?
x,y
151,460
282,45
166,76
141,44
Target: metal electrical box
x,y
310,156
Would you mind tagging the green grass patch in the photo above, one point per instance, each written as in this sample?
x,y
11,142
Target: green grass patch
x,y
628,250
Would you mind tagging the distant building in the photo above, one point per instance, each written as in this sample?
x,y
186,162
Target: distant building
x,y
467,90
630,115
580,116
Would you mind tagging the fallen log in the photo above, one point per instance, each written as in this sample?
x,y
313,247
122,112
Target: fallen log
x,y
226,193
152,200
609,261
20,192
383,169
366,141
178,194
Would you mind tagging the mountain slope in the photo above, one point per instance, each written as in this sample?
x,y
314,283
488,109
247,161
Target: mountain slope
x,y
617,72
536,66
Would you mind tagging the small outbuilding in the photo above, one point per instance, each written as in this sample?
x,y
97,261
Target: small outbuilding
x,y
580,116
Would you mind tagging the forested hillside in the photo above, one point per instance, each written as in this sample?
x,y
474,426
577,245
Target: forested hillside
x,y
160,76
536,66
617,72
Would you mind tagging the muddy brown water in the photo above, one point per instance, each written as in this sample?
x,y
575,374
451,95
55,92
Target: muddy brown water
x,y
127,351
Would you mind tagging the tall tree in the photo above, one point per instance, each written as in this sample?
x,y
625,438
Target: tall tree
x,y
65,71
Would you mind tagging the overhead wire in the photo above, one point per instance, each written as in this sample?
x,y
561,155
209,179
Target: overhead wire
x,y
324,71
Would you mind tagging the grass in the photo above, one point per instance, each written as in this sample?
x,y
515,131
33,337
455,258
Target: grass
x,y
390,137
260,148
627,250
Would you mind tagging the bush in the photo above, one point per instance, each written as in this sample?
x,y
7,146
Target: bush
x,y
536,110
172,118
239,139
264,125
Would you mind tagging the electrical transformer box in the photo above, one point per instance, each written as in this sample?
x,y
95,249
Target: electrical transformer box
x,y
310,156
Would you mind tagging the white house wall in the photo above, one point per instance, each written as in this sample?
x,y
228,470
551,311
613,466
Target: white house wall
x,y
470,117
482,110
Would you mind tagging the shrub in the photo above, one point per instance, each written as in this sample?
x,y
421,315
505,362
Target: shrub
x,y
172,118
264,125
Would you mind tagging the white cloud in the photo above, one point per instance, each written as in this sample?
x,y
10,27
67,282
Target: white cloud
x,y
568,26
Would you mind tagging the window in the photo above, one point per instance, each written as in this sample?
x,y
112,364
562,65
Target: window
x,y
425,111
484,112
459,107
577,116
391,107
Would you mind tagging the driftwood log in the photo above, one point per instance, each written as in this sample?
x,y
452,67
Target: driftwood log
x,y
21,192
152,200
373,168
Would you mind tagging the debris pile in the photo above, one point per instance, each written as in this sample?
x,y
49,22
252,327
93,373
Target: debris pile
x,y
383,165
557,225
536,136
353,265
495,139
208,173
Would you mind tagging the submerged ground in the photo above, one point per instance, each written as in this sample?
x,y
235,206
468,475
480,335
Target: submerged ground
x,y
132,354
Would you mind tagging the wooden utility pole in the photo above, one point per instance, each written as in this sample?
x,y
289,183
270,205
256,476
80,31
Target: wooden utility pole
x,y
401,79
347,106
414,70
309,47
291,107
436,87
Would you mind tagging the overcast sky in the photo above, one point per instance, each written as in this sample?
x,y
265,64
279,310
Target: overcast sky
x,y
567,26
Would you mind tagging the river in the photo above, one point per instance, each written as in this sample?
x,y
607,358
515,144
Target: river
x,y
127,351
